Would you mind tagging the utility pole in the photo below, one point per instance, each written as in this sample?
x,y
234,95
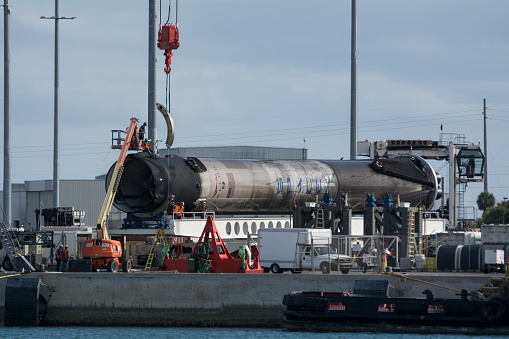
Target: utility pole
x,y
503,214
485,150
353,89
304,149
7,192
152,75
453,207
56,184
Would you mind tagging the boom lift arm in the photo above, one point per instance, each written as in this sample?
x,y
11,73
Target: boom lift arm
x,y
102,230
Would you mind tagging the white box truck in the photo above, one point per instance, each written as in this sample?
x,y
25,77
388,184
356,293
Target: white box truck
x,y
493,261
297,249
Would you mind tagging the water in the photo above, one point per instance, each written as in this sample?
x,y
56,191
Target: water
x,y
195,333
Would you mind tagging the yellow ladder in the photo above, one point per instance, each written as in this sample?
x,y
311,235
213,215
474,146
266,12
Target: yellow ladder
x,y
411,235
319,218
152,253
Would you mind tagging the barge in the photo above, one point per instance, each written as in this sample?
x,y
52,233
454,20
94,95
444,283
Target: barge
x,y
373,312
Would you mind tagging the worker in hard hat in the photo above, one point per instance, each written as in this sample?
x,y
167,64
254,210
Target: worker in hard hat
x,y
176,208
203,209
141,132
58,256
65,258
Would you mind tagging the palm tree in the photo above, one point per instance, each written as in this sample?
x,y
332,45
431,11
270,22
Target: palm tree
x,y
485,200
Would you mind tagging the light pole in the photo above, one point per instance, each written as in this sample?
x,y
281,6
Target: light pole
x,y
353,85
503,213
7,116
56,186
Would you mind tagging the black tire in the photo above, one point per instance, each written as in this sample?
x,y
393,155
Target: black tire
x,y
325,268
505,301
494,310
486,268
275,268
126,266
7,264
112,266
266,270
364,268
345,270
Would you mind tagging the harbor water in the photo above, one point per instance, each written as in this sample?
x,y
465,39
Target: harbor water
x,y
185,332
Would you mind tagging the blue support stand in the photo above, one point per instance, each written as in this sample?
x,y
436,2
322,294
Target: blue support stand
x,y
157,221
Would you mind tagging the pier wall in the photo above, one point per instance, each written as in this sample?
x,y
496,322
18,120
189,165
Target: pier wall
x,y
169,299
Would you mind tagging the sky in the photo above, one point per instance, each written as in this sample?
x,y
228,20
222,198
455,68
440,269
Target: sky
x,y
266,73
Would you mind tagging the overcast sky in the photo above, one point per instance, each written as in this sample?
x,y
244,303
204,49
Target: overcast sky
x,y
267,73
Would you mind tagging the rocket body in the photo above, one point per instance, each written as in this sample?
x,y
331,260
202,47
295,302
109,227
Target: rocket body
x,y
235,186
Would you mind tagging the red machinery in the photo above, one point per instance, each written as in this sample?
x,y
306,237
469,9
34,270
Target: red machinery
x,y
168,40
211,256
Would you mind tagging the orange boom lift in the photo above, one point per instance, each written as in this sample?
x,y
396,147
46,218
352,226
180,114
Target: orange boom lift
x,y
104,252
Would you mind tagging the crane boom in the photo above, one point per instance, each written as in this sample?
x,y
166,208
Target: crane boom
x,y
102,230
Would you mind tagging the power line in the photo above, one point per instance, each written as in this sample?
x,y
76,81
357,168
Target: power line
x,y
311,131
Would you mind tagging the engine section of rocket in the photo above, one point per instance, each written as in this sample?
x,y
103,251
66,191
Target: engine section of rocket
x,y
234,186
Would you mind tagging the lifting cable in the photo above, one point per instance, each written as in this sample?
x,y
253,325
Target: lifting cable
x,y
168,40
168,83
169,12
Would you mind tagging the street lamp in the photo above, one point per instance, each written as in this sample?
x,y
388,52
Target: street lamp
x,y
503,213
56,186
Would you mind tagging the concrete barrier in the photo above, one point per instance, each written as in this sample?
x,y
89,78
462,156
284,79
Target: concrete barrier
x,y
170,299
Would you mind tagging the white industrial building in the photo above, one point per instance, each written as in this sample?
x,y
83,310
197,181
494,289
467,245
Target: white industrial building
x,y
83,195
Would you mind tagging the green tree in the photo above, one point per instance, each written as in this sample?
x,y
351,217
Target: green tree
x,y
485,200
497,214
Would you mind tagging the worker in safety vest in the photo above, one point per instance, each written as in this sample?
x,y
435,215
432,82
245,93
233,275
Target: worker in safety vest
x,y
177,212
58,256
146,147
65,259
203,209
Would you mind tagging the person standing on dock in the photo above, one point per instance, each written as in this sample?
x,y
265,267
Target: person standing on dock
x,y
58,255
65,259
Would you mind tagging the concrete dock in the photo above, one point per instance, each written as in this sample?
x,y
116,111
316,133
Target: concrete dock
x,y
223,300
